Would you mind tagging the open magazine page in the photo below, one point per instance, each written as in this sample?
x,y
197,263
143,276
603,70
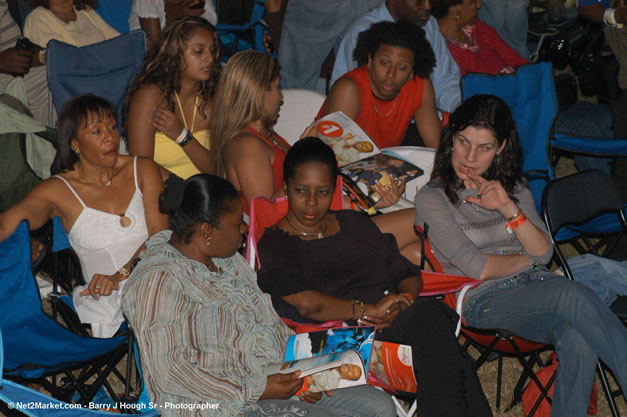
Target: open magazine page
x,y
349,142
382,168
391,367
311,344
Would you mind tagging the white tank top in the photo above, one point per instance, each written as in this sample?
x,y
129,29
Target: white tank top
x,y
103,246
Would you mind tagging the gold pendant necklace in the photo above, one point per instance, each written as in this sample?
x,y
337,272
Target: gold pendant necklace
x,y
271,138
391,110
318,235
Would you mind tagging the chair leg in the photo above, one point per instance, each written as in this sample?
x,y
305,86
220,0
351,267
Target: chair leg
x,y
499,381
607,390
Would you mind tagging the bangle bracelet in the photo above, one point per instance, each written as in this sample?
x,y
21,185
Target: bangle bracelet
x,y
188,138
42,56
409,297
515,224
515,216
181,136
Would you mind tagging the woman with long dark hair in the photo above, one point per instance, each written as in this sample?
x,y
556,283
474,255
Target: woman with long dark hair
x,y
483,224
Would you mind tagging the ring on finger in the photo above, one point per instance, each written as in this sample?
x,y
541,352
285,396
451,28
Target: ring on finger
x,y
97,287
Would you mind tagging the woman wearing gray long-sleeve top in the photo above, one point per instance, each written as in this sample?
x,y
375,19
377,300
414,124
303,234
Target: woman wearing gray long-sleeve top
x,y
483,224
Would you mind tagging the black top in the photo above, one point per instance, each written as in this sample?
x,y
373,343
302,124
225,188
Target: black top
x,y
358,262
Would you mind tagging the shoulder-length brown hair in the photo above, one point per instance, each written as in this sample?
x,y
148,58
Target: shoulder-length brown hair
x,y
239,99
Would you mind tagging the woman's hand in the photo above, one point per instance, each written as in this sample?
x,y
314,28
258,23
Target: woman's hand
x,y
282,386
385,311
310,130
491,194
166,122
390,194
313,397
102,285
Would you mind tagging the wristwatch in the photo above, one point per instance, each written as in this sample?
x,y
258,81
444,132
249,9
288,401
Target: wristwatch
x,y
125,272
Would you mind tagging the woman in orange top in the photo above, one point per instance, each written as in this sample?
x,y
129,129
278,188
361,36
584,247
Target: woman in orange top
x,y
390,87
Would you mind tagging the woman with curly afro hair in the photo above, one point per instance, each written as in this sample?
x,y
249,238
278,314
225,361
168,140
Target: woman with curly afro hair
x,y
391,85
168,103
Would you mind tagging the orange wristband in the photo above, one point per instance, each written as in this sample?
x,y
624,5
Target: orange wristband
x,y
409,296
514,224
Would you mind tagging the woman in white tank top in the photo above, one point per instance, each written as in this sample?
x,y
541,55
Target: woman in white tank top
x,y
108,204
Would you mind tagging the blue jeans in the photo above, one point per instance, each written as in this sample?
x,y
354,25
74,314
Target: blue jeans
x,y
362,401
587,120
546,308
607,278
311,28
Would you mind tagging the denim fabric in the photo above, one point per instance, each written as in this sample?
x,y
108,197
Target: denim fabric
x,y
587,120
605,277
311,28
362,401
510,19
546,308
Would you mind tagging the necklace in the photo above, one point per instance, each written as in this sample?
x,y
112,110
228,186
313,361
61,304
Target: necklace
x,y
272,139
191,128
389,112
318,235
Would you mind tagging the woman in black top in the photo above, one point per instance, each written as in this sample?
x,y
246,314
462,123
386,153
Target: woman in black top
x,y
321,265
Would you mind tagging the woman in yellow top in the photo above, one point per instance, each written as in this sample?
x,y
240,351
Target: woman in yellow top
x,y
169,102
70,21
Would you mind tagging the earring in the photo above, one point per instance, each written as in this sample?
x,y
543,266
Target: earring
x,y
77,152
456,16
286,197
208,241
452,148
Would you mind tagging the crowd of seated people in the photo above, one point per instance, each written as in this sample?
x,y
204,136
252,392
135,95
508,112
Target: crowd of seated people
x,y
202,145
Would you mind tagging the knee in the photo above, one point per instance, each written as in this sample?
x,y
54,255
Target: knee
x,y
381,404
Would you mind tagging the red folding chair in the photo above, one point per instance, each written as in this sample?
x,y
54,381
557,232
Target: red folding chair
x,y
488,341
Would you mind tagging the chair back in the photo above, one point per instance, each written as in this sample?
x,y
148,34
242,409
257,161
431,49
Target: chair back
x,y
33,342
237,18
588,197
265,213
116,13
104,68
530,94
299,109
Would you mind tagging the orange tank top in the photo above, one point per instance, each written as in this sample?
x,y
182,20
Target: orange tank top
x,y
387,126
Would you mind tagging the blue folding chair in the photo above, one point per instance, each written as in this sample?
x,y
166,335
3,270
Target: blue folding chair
x,y
104,68
232,33
24,399
36,347
530,93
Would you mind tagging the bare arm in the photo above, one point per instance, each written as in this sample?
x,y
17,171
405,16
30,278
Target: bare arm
x,y
141,133
36,208
152,28
317,306
249,166
426,118
151,185
411,286
344,96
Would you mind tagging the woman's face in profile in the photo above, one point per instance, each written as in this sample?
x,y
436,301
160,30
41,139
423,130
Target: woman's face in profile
x,y
98,140
474,149
198,56
227,234
273,99
309,194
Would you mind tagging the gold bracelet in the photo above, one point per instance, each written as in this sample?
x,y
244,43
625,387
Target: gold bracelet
x,y
515,216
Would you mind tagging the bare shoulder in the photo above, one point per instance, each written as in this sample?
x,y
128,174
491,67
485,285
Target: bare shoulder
x,y
244,143
344,86
148,94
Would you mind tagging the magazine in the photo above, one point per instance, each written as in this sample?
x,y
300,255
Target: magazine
x,y
327,372
391,367
349,142
362,163
320,356
382,168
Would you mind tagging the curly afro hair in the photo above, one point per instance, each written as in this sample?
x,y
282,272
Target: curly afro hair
x,y
402,34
